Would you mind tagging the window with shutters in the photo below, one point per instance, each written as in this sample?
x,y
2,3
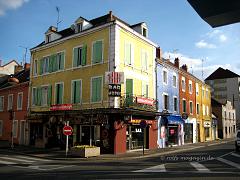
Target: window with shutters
x,y
190,86
128,53
191,107
45,65
34,96
44,93
198,108
10,101
59,93
174,81
96,89
76,91
1,103
19,101
183,84
144,89
60,61
35,67
165,77
144,60
165,101
97,52
79,56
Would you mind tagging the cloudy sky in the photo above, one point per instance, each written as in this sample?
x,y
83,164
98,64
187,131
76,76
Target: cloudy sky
x,y
173,24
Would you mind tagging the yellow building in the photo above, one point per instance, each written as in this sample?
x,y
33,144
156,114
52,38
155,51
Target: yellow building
x,y
203,111
70,77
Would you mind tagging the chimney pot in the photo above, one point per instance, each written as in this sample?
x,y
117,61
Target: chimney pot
x,y
184,67
176,62
27,66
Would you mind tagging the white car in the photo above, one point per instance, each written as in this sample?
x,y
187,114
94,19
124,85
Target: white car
x,y
237,142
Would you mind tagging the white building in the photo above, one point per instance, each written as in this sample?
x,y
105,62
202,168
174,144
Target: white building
x,y
9,68
225,86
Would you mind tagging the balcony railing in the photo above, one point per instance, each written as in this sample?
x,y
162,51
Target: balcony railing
x,y
138,102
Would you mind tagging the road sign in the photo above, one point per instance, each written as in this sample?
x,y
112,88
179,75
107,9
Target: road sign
x,y
67,130
184,116
143,124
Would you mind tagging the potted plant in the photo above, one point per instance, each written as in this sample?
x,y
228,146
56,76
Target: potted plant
x,y
85,151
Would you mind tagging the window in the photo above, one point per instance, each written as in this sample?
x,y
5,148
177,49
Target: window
x,y
165,102
184,105
44,65
34,96
197,89
56,62
226,130
233,116
183,85
165,77
229,130
35,68
76,91
203,108
144,32
44,94
1,103
198,108
59,93
10,102
144,89
174,81
175,104
234,128
207,132
60,61
203,93
190,87
225,114
128,53
1,127
79,27
191,107
19,101
96,89
229,115
15,128
80,56
48,38
97,52
144,59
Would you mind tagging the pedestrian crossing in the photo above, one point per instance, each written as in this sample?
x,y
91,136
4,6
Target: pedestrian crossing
x,y
20,160
212,166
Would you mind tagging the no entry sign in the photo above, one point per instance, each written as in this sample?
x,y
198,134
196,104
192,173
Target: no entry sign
x,y
67,130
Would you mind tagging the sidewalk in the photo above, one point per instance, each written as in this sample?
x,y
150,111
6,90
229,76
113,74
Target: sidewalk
x,y
57,154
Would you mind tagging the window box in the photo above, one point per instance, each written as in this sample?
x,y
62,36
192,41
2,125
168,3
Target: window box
x,y
85,151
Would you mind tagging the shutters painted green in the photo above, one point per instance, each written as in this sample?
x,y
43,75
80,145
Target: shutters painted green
x,y
59,94
129,92
76,91
41,67
97,89
35,96
75,57
84,55
51,63
39,96
62,61
49,95
55,64
97,52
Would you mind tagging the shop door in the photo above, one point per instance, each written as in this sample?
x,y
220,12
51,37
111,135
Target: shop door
x,y
198,132
85,135
134,137
129,92
188,130
172,134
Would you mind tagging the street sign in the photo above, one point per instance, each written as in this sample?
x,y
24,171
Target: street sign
x,y
114,90
184,116
114,77
143,124
67,130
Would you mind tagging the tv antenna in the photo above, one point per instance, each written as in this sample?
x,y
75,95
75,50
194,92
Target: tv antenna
x,y
202,70
58,15
25,54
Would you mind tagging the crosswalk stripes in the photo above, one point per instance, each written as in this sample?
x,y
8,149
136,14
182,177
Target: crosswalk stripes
x,y
199,167
20,159
236,155
158,168
229,162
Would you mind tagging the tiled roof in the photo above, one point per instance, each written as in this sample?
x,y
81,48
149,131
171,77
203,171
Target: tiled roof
x,y
221,73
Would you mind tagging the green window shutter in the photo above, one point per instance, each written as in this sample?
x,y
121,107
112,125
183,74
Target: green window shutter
x,y
75,57
61,94
62,61
94,90
55,63
41,67
73,92
99,89
49,95
84,55
97,52
78,91
35,96
39,96
129,92
50,64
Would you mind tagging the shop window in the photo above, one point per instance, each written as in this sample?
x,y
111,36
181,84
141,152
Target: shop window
x,y
80,56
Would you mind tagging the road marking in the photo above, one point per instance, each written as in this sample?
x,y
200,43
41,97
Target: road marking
x,y
33,158
237,155
229,162
158,168
15,159
199,167
7,162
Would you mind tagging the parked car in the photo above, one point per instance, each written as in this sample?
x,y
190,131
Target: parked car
x,y
237,142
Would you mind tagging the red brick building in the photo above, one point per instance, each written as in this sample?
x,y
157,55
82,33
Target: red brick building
x,y
13,107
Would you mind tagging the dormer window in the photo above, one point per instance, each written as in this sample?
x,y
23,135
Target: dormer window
x,y
48,38
144,32
79,27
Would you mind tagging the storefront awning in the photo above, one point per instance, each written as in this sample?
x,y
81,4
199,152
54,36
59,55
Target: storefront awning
x,y
175,119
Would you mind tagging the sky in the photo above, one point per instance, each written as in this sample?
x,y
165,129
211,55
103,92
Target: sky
x,y
172,24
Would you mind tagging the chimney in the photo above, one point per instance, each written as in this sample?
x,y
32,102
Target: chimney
x,y
184,67
111,15
158,53
176,62
53,28
27,66
18,68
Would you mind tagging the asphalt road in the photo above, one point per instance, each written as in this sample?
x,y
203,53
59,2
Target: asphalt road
x,y
212,162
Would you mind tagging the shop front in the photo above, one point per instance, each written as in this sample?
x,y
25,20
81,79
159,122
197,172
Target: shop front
x,y
207,132
190,130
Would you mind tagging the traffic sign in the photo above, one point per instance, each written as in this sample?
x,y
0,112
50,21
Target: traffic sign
x,y
184,116
143,124
67,130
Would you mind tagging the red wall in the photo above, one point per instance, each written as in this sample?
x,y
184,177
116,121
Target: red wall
x,y
120,145
153,132
19,114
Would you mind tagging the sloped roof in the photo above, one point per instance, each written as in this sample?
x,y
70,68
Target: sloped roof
x,y
221,73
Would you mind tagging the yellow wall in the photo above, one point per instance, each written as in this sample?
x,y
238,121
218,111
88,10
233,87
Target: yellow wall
x,y
85,73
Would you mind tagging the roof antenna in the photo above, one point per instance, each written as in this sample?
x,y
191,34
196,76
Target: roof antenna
x,y
58,12
25,54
